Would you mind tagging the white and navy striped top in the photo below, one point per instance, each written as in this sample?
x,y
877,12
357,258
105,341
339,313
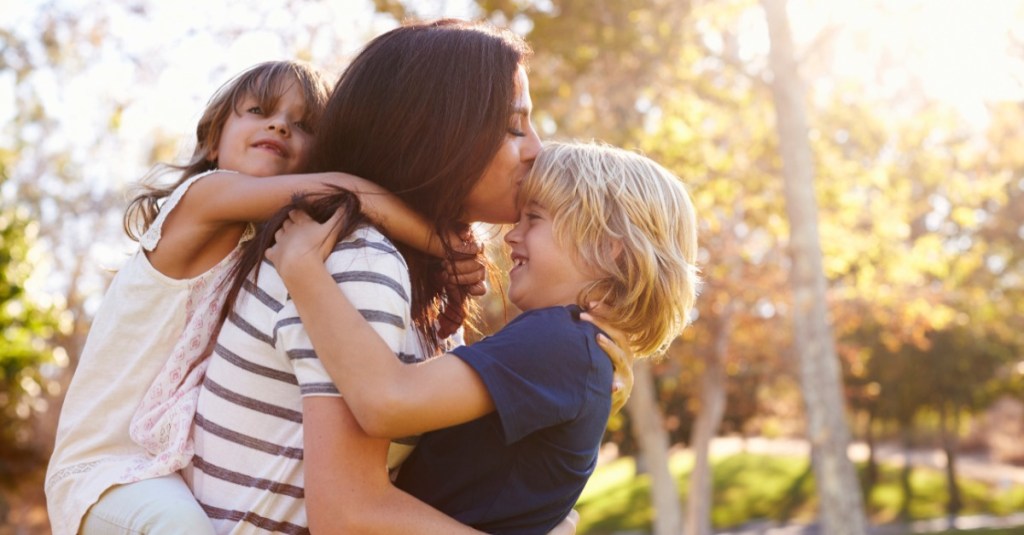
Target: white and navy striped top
x,y
247,470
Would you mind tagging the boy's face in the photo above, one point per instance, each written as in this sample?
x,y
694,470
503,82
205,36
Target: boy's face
x,y
543,273
262,142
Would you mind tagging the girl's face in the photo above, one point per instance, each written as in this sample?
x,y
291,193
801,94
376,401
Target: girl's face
x,y
265,142
543,273
493,197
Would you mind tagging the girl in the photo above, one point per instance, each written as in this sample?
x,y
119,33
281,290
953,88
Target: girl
x,y
514,421
110,472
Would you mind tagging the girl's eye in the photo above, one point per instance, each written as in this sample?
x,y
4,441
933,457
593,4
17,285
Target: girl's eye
x,y
516,132
255,109
301,125
530,216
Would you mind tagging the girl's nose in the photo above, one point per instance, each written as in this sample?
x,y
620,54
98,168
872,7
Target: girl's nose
x,y
278,124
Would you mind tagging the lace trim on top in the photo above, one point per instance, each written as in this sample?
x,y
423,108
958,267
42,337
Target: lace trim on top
x,y
151,237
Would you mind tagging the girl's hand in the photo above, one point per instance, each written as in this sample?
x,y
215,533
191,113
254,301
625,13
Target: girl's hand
x,y
301,242
621,357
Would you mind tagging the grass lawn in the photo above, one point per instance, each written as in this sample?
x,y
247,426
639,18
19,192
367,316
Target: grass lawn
x,y
758,487
1006,531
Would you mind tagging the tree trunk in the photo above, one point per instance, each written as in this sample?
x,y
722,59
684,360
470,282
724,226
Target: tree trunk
x,y
949,444
842,509
871,470
908,467
652,439
709,419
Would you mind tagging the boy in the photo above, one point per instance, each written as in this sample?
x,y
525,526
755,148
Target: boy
x,y
513,423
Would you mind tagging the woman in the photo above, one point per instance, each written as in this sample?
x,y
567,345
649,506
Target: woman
x,y
438,113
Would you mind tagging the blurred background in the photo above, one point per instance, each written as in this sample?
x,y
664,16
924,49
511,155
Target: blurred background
x,y
858,168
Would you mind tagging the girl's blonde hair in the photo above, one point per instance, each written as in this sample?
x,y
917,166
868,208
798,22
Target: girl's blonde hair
x,y
266,82
631,220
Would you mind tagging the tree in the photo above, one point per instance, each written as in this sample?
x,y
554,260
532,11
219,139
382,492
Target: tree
x,y
26,329
842,510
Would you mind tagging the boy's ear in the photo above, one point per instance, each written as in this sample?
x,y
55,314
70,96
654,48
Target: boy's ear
x,y
617,249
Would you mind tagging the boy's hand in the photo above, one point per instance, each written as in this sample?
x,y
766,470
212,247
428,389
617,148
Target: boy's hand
x,y
301,242
468,269
621,357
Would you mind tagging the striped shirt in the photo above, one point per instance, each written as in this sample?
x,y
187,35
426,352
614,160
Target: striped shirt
x,y
247,472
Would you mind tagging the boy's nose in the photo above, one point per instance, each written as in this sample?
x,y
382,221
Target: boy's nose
x,y
512,236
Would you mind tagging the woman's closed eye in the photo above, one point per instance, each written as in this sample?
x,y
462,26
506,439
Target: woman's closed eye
x,y
516,126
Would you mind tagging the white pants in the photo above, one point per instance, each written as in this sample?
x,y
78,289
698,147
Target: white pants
x,y
160,506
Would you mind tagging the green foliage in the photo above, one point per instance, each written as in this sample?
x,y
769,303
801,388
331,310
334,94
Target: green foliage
x,y
755,487
25,331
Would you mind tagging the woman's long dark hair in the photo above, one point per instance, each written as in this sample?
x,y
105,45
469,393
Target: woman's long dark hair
x,y
421,111
319,206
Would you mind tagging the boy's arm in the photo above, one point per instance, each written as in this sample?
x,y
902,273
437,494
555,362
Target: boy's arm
x,y
387,398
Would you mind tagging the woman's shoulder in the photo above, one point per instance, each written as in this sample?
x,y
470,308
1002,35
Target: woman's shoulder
x,y
367,249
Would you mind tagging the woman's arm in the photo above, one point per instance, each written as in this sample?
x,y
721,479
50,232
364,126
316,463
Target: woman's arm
x,y
347,487
387,398
347,484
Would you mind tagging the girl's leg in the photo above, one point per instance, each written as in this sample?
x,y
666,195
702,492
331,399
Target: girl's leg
x,y
159,506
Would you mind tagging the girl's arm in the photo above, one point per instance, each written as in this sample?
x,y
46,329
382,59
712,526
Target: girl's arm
x,y
227,198
387,398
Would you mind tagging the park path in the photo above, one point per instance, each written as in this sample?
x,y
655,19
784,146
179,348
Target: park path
x,y
972,466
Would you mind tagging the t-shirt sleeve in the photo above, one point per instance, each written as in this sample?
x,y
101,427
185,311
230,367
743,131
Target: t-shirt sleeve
x,y
373,276
539,371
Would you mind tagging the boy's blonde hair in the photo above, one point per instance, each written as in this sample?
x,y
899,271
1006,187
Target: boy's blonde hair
x,y
631,220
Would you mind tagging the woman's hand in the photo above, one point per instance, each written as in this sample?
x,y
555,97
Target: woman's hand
x,y
463,277
302,242
568,524
467,269
621,357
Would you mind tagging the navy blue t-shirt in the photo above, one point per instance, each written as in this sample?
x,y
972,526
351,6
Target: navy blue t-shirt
x,y
521,468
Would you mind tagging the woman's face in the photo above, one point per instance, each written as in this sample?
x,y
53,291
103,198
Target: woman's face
x,y
493,197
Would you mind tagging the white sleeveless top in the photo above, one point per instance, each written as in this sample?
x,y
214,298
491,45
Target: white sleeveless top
x,y
147,324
